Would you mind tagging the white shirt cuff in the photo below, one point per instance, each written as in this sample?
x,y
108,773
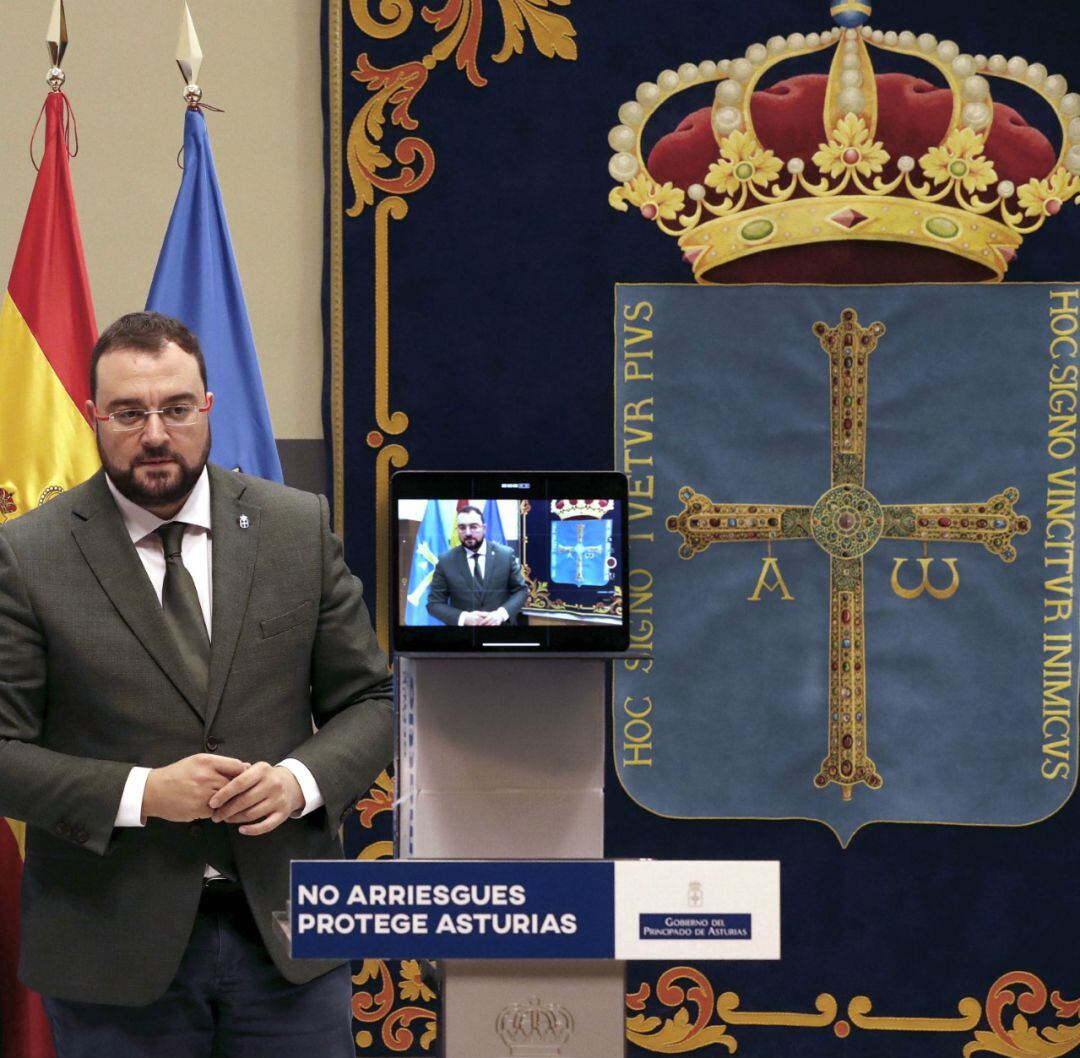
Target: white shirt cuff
x,y
461,619
313,797
505,615
129,814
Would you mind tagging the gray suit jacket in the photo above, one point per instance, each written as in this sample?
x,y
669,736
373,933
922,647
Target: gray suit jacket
x,y
91,683
454,588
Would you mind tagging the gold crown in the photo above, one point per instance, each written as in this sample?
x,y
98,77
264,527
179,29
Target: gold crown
x,y
753,200
581,508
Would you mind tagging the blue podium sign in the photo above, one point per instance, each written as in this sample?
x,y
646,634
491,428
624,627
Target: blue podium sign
x,y
453,910
535,909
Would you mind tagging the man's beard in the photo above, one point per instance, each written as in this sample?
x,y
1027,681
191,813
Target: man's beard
x,y
157,493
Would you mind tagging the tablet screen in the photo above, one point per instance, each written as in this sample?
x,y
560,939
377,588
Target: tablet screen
x,y
504,561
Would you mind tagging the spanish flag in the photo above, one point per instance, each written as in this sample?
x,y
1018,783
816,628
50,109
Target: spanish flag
x,y
24,1031
47,330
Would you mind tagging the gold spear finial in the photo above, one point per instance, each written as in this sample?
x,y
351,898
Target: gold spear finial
x,y
189,57
56,38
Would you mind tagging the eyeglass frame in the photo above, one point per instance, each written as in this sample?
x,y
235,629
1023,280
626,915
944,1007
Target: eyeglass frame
x,y
147,412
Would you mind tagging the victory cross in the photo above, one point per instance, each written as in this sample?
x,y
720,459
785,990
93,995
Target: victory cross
x,y
581,551
846,523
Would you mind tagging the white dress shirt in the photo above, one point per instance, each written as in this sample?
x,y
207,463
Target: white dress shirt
x,y
197,554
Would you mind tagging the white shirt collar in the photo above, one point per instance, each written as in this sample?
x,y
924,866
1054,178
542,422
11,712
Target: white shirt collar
x,y
481,550
140,522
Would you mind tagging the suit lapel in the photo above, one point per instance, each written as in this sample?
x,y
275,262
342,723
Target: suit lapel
x,y
489,561
466,568
235,529
101,536
489,567
489,575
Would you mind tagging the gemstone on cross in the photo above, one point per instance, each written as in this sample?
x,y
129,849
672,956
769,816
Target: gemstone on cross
x,y
846,522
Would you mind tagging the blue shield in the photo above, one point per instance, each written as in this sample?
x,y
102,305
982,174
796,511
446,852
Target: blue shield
x,y
580,551
853,552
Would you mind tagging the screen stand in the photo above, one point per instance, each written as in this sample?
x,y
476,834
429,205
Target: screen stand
x,y
503,758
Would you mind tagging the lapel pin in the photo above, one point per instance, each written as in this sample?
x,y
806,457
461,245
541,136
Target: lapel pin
x,y
245,522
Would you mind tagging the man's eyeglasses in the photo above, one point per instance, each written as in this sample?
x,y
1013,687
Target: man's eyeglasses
x,y
137,418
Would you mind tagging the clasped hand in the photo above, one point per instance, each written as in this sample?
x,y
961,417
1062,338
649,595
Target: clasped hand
x,y
207,786
483,618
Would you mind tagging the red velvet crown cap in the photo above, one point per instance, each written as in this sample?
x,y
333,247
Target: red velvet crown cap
x,y
913,115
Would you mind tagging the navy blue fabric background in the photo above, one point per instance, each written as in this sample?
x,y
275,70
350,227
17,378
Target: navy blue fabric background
x,y
502,297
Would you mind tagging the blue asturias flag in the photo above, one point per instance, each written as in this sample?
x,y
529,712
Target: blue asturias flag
x,y
493,522
430,543
197,282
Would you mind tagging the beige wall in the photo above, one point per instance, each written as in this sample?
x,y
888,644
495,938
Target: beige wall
x,y
262,67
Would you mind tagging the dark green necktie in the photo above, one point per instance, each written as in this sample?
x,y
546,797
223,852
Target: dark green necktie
x,y
184,616
180,603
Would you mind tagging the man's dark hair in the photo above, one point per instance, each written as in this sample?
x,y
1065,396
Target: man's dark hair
x,y
149,332
476,510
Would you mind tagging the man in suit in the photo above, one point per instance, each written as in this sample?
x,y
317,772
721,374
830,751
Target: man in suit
x,y
479,582
191,696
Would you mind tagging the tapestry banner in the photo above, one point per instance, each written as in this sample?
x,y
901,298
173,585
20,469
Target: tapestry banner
x,y
855,648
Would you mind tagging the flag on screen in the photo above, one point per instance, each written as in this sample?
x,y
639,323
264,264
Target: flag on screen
x,y
47,330
196,281
493,521
430,543
452,538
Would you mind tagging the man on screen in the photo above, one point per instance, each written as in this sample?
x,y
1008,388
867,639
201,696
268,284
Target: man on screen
x,y
191,696
478,583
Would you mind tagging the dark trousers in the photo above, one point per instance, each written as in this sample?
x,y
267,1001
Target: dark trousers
x,y
228,1000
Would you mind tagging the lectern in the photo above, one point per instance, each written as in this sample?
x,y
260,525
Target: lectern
x,y
503,758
